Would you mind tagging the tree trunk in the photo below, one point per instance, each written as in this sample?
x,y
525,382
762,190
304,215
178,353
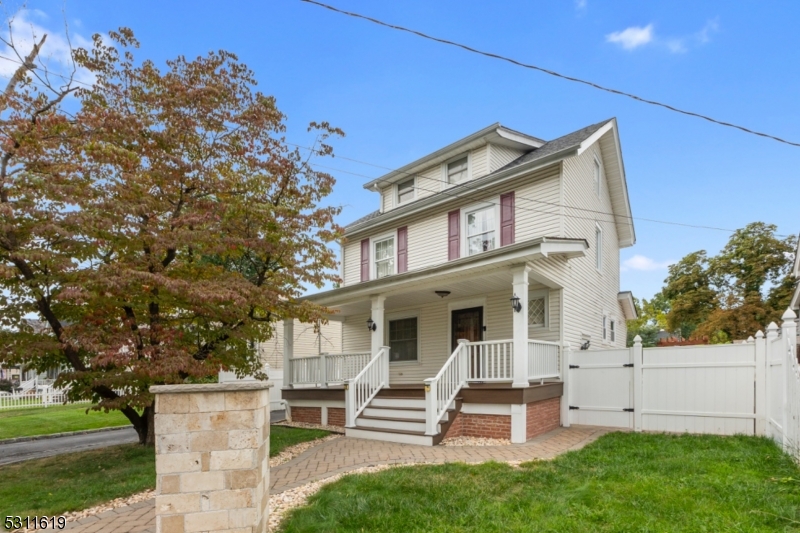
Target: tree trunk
x,y
144,424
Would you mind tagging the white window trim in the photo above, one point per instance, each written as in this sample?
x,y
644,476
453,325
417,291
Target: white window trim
x,y
541,293
400,315
479,206
397,201
598,252
598,177
373,271
446,180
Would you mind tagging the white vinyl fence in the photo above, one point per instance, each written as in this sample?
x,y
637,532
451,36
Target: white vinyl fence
x,y
727,389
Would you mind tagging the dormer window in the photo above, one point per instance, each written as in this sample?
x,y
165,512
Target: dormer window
x,y
458,170
405,191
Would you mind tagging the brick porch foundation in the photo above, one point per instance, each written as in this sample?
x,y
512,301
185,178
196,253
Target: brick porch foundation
x,y
336,416
308,415
542,417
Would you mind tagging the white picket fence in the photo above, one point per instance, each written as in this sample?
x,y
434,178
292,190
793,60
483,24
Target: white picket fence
x,y
41,397
751,388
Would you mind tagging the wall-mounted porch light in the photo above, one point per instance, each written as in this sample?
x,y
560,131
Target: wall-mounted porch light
x,y
371,325
515,303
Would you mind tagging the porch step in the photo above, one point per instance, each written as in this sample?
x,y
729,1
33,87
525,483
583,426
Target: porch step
x,y
413,413
404,424
391,435
418,403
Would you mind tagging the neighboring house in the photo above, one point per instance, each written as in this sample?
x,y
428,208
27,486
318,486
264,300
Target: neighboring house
x,y
485,261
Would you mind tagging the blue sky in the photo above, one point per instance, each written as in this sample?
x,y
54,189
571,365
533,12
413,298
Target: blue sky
x,y
399,97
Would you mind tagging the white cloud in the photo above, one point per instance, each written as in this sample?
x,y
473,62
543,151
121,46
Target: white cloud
x,y
632,37
640,262
636,36
580,5
56,54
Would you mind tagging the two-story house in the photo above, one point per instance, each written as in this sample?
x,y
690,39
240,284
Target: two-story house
x,y
485,261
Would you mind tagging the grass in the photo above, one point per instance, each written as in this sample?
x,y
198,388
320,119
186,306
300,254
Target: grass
x,y
75,481
622,482
57,419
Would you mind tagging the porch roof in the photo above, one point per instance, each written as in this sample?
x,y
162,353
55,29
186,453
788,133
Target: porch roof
x,y
458,271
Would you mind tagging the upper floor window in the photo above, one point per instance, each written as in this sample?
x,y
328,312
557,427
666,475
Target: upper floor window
x,y
384,257
481,228
457,170
598,247
597,177
405,191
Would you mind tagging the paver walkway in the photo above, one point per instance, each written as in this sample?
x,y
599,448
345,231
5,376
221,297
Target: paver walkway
x,y
341,455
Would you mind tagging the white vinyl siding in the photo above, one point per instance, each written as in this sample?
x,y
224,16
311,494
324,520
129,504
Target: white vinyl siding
x,y
539,218
352,262
501,156
589,294
479,162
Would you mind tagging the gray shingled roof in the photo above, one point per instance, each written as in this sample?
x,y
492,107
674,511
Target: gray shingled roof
x,y
570,140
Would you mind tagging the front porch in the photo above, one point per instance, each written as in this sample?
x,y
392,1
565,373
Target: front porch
x,y
437,354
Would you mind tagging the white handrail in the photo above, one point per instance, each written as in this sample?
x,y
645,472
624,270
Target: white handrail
x,y
491,360
360,390
441,390
544,360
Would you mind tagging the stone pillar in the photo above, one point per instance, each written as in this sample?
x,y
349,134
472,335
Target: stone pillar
x,y
520,326
212,457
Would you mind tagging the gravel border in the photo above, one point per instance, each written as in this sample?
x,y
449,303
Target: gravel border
x,y
474,441
304,425
64,434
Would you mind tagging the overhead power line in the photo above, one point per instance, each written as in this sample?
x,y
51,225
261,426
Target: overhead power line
x,y
552,73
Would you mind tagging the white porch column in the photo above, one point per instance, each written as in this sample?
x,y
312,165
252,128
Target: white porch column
x,y
379,334
520,323
288,351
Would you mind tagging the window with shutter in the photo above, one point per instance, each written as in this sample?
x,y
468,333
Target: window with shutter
x,y
402,249
507,219
453,234
365,260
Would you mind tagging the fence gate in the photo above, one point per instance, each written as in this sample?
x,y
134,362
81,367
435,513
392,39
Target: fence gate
x,y
601,388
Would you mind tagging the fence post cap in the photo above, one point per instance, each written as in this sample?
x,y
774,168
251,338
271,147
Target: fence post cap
x,y
637,339
789,314
772,327
759,334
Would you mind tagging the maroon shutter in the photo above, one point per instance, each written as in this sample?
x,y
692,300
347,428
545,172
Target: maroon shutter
x,y
507,219
402,249
365,260
453,231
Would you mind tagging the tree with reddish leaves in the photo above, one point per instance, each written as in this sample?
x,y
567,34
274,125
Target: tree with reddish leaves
x,y
157,231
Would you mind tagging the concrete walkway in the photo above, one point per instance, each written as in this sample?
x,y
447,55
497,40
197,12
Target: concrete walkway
x,y
341,455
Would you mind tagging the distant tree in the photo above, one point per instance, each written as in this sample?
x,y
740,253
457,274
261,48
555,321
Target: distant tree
x,y
159,229
735,293
689,293
651,319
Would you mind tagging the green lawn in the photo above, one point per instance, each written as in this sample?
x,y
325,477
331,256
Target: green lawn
x,y
57,419
622,482
75,481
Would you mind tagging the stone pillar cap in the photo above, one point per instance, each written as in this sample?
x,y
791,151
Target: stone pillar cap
x,y
230,386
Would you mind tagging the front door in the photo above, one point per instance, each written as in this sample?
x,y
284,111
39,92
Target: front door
x,y
466,324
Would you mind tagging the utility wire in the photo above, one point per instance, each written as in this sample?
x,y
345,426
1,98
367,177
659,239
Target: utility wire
x,y
552,73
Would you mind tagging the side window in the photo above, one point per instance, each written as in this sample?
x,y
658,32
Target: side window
x,y
613,331
597,179
458,170
598,247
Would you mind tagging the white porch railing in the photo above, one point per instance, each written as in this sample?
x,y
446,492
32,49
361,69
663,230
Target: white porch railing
x,y
360,390
343,366
544,360
442,390
304,371
491,360
321,370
